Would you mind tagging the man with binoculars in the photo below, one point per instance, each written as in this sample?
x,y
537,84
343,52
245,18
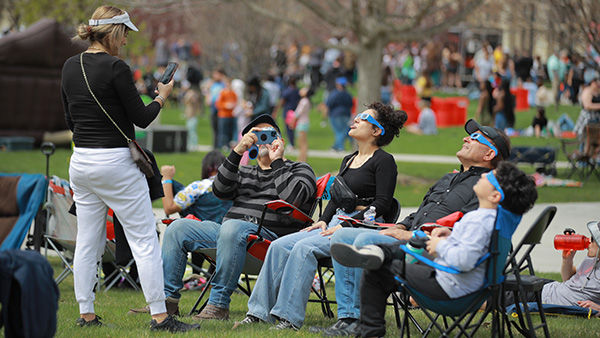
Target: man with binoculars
x,y
581,285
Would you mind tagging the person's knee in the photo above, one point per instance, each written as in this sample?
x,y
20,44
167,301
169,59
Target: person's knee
x,y
174,232
231,233
367,238
304,249
343,235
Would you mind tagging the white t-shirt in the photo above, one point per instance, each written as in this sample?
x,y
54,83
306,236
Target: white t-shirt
x,y
568,293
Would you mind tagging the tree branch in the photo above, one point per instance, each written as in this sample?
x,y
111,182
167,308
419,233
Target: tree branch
x,y
320,12
426,32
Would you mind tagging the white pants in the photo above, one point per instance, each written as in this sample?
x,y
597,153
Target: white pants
x,y
103,178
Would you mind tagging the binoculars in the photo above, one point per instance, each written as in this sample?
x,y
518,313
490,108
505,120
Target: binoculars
x,y
571,241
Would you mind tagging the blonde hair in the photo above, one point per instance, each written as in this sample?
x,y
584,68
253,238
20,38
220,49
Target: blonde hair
x,y
110,36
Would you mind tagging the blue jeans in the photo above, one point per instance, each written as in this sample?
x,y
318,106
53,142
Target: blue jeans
x,y
181,237
339,124
500,121
226,131
231,256
284,283
347,280
191,125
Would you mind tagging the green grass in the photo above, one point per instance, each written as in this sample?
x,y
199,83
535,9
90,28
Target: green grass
x,y
113,306
414,178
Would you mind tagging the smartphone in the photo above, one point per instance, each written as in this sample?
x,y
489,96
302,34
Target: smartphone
x,y
169,72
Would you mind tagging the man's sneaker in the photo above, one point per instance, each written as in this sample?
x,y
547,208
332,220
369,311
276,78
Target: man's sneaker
x,y
250,319
351,329
367,257
284,325
318,329
172,325
94,322
213,312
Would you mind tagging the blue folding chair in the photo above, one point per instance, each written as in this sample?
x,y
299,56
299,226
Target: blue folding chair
x,y
22,197
462,311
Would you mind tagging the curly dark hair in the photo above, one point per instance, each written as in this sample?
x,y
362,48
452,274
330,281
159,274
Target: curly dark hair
x,y
519,188
392,121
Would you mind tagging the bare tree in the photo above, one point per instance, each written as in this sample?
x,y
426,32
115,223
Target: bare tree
x,y
578,25
371,24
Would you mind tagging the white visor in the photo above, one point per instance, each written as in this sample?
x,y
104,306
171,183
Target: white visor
x,y
123,18
594,228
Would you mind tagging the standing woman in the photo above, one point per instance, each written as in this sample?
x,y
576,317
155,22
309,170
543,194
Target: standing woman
x,y
102,171
283,285
504,109
302,122
485,106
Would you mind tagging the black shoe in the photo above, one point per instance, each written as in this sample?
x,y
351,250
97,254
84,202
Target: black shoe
x,y
284,325
367,257
94,322
348,330
318,329
172,325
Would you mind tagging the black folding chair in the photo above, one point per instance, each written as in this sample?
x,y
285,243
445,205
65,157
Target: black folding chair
x,y
518,261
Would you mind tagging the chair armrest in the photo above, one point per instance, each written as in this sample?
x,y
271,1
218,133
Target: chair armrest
x,y
284,208
428,261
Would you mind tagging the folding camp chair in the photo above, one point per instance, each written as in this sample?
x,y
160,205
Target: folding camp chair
x,y
325,265
584,156
21,196
519,284
257,246
462,311
61,232
543,157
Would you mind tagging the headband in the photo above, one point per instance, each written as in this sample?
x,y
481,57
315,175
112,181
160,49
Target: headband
x,y
123,18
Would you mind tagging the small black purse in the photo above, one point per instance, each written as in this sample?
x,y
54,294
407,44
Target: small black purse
x,y
341,194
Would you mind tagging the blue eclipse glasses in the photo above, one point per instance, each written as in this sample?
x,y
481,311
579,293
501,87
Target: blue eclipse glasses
x,y
481,139
371,120
492,179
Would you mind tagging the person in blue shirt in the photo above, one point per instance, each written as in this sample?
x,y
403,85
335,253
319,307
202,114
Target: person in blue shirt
x,y
289,101
196,198
339,108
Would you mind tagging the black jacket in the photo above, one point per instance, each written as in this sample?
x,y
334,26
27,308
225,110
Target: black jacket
x,y
453,192
28,294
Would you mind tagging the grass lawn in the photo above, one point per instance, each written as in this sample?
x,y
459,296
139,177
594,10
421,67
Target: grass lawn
x,y
113,306
413,181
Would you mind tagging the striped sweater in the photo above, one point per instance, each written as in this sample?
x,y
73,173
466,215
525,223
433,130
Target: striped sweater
x,y
249,187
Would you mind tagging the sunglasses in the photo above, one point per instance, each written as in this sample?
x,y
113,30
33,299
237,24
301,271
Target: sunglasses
x,y
481,139
371,120
493,181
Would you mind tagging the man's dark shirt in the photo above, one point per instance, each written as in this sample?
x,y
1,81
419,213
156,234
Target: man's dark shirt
x,y
453,192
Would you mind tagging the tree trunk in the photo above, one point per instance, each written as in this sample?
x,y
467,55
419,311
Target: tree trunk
x,y
369,72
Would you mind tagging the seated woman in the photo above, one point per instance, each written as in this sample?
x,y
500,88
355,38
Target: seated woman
x,y
283,285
